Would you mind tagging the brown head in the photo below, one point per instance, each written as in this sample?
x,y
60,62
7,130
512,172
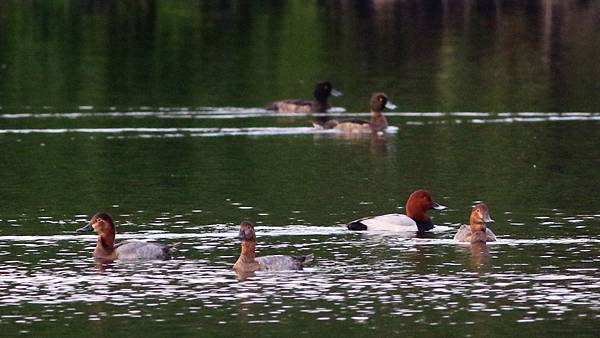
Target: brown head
x,y
379,101
419,202
102,223
480,215
247,232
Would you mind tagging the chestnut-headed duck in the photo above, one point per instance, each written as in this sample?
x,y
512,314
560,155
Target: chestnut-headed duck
x,y
107,250
248,262
378,122
415,219
319,105
476,231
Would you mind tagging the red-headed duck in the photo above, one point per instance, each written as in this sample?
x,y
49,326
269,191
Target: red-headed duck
x,y
415,219
106,249
476,231
378,122
319,105
248,262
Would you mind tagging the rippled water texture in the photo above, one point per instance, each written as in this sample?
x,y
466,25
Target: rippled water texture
x,y
376,283
154,112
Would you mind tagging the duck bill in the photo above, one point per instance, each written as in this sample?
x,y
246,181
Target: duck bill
x,y
85,229
437,206
390,105
336,92
487,218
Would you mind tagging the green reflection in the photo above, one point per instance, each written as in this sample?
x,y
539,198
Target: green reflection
x,y
428,56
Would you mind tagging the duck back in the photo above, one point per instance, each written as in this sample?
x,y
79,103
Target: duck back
x,y
354,126
128,250
463,234
282,262
490,236
292,106
389,222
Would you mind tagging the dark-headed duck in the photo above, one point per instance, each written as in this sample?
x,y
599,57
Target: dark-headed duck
x,y
378,122
319,105
248,262
106,249
476,231
415,219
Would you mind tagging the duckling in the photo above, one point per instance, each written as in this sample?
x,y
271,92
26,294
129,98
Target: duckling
x,y
319,105
476,231
247,262
378,122
107,250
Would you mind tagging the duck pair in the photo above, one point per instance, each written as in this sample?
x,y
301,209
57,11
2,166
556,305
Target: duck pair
x,y
106,250
416,219
378,102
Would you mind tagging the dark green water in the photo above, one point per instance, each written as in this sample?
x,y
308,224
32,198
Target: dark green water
x,y
152,111
427,55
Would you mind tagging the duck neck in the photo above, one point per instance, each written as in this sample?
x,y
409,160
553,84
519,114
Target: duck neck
x,y
320,104
378,121
478,236
105,245
248,248
477,226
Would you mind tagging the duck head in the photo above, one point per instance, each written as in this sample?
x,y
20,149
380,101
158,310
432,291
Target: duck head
x,y
247,232
418,203
323,89
480,215
101,222
379,101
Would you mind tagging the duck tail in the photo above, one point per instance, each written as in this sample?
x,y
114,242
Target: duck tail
x,y
356,225
303,260
272,106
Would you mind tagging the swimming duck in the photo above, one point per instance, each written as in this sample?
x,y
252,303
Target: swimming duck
x,y
106,249
318,105
477,231
415,219
378,122
249,263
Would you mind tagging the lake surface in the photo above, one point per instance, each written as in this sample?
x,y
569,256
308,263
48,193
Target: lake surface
x,y
153,111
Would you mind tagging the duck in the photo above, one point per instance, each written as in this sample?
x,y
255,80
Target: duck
x,y
378,122
248,262
476,231
107,250
323,90
416,219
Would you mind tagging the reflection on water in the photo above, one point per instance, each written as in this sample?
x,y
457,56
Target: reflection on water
x,y
429,55
480,256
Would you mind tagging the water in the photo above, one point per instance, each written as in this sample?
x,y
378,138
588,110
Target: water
x,y
165,130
